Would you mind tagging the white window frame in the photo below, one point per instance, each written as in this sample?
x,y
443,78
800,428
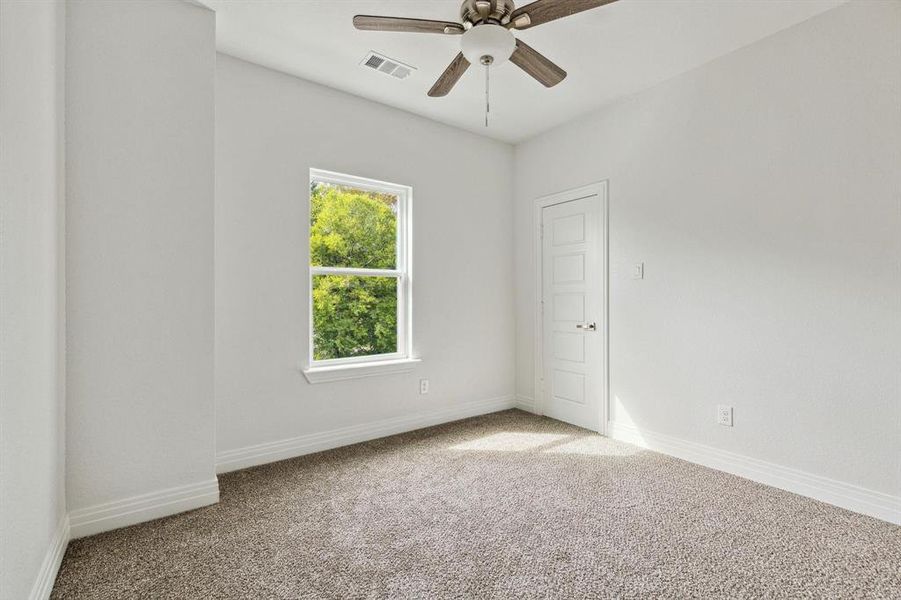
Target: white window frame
x,y
360,366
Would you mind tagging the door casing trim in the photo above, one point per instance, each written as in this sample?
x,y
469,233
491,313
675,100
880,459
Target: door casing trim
x,y
599,189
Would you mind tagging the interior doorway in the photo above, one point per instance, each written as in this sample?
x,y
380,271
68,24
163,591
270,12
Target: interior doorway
x,y
571,353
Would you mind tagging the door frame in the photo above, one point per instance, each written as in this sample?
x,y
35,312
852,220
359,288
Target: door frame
x,y
599,189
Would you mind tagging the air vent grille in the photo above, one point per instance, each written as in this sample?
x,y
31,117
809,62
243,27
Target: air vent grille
x,y
374,62
388,66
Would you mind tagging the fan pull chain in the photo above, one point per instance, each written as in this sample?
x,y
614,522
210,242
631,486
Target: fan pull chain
x,y
487,89
487,60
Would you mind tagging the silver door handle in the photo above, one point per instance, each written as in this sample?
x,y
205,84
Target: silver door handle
x,y
587,326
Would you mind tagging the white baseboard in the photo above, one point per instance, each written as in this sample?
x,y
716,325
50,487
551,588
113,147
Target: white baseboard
x,y
146,507
525,403
43,585
250,456
844,495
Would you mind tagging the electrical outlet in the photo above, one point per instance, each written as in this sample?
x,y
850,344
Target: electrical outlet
x,y
724,415
423,386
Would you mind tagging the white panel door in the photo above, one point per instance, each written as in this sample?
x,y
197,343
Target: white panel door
x,y
573,343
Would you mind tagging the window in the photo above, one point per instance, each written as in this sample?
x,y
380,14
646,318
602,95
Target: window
x,y
359,271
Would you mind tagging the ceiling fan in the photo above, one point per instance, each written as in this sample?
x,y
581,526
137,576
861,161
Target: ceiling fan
x,y
486,28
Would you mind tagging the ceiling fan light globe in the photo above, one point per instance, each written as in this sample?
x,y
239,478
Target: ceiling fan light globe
x,y
488,40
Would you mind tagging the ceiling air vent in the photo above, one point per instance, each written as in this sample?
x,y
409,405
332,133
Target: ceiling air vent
x,y
388,66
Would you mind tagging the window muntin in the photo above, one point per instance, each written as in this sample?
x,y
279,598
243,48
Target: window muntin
x,y
359,270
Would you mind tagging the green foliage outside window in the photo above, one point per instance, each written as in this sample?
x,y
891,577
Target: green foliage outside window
x,y
353,315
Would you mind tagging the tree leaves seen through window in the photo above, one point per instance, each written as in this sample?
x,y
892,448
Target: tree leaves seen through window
x,y
353,315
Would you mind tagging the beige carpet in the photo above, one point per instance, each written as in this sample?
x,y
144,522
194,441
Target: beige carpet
x,y
503,506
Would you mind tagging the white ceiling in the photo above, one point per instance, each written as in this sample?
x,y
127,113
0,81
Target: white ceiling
x,y
609,52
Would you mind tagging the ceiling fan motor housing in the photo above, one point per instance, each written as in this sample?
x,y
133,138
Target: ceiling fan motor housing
x,y
476,12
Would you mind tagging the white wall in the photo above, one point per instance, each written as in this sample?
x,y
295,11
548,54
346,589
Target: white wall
x,y
140,102
762,193
270,130
32,463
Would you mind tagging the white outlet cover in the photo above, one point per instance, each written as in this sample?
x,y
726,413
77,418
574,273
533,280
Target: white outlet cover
x,y
423,386
724,415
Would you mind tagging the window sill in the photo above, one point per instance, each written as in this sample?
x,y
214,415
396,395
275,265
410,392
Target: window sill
x,y
358,370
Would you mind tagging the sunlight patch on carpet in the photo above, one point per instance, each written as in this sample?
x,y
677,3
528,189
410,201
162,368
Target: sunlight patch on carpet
x,y
511,441
593,445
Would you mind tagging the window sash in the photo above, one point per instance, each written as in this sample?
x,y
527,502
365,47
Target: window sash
x,y
400,319
402,272
349,271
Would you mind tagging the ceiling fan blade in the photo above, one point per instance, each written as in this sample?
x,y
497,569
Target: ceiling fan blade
x,y
373,23
536,65
542,11
450,77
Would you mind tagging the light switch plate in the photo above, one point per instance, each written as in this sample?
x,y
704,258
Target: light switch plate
x,y
638,271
